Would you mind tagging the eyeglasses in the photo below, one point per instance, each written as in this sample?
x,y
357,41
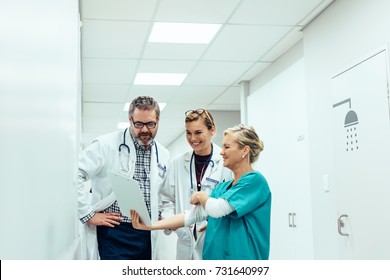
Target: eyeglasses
x,y
199,112
140,125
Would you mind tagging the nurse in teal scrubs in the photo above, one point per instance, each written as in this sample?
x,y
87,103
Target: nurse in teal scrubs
x,y
243,234
238,211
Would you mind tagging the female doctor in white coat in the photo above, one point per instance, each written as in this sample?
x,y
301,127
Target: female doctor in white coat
x,y
200,169
132,152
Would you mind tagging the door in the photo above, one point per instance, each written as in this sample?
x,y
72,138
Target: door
x,y
278,112
362,158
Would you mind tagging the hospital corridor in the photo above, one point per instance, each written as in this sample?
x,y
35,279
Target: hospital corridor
x,y
311,77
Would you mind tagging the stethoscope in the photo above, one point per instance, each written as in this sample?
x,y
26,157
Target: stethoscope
x,y
208,162
125,146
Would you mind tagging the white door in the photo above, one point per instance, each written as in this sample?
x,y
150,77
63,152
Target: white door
x,y
279,114
362,158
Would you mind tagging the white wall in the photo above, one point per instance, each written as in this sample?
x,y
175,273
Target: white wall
x,y
39,119
277,110
346,31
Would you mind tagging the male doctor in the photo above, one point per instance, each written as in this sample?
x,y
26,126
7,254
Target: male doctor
x,y
132,152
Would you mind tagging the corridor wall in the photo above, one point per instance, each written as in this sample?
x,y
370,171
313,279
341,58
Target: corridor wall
x,y
39,124
348,30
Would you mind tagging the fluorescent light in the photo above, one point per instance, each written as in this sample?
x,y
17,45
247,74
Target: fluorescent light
x,y
173,79
127,105
162,106
123,125
184,33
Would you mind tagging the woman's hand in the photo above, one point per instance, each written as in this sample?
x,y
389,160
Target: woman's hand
x,y
135,221
199,198
194,199
173,222
202,228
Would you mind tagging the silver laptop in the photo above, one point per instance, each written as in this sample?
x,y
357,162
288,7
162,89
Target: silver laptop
x,y
129,196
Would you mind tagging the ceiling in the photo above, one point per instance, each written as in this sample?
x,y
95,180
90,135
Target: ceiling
x,y
114,47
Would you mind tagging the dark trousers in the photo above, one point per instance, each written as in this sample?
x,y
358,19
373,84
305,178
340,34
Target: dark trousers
x,y
124,242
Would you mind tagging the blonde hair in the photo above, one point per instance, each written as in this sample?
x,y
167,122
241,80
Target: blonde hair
x,y
247,136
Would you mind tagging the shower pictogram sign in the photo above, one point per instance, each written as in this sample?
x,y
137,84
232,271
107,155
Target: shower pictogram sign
x,y
351,122
361,137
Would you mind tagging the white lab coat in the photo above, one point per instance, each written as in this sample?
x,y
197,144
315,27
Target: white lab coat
x,y
176,194
94,161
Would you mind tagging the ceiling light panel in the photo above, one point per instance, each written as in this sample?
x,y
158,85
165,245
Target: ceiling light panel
x,y
183,33
122,125
159,78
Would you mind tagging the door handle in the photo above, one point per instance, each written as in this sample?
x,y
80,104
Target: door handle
x,y
341,224
291,220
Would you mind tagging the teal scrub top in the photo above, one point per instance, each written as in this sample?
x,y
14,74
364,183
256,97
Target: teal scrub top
x,y
244,234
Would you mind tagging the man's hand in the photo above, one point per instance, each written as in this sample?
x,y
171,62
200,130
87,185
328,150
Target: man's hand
x,y
105,219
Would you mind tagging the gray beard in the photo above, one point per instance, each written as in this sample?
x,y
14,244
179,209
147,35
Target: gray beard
x,y
139,140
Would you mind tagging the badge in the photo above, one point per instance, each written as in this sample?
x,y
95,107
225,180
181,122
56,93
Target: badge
x,y
161,170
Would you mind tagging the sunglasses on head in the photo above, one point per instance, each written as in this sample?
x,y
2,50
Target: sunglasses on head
x,y
199,112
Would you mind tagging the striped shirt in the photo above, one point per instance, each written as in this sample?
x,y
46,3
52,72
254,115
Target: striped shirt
x,y
141,175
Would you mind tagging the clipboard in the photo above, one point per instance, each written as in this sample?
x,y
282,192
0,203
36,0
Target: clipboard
x,y
129,196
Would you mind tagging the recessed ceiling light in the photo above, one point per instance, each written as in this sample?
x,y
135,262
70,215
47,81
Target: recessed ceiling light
x,y
166,79
184,33
162,106
123,125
